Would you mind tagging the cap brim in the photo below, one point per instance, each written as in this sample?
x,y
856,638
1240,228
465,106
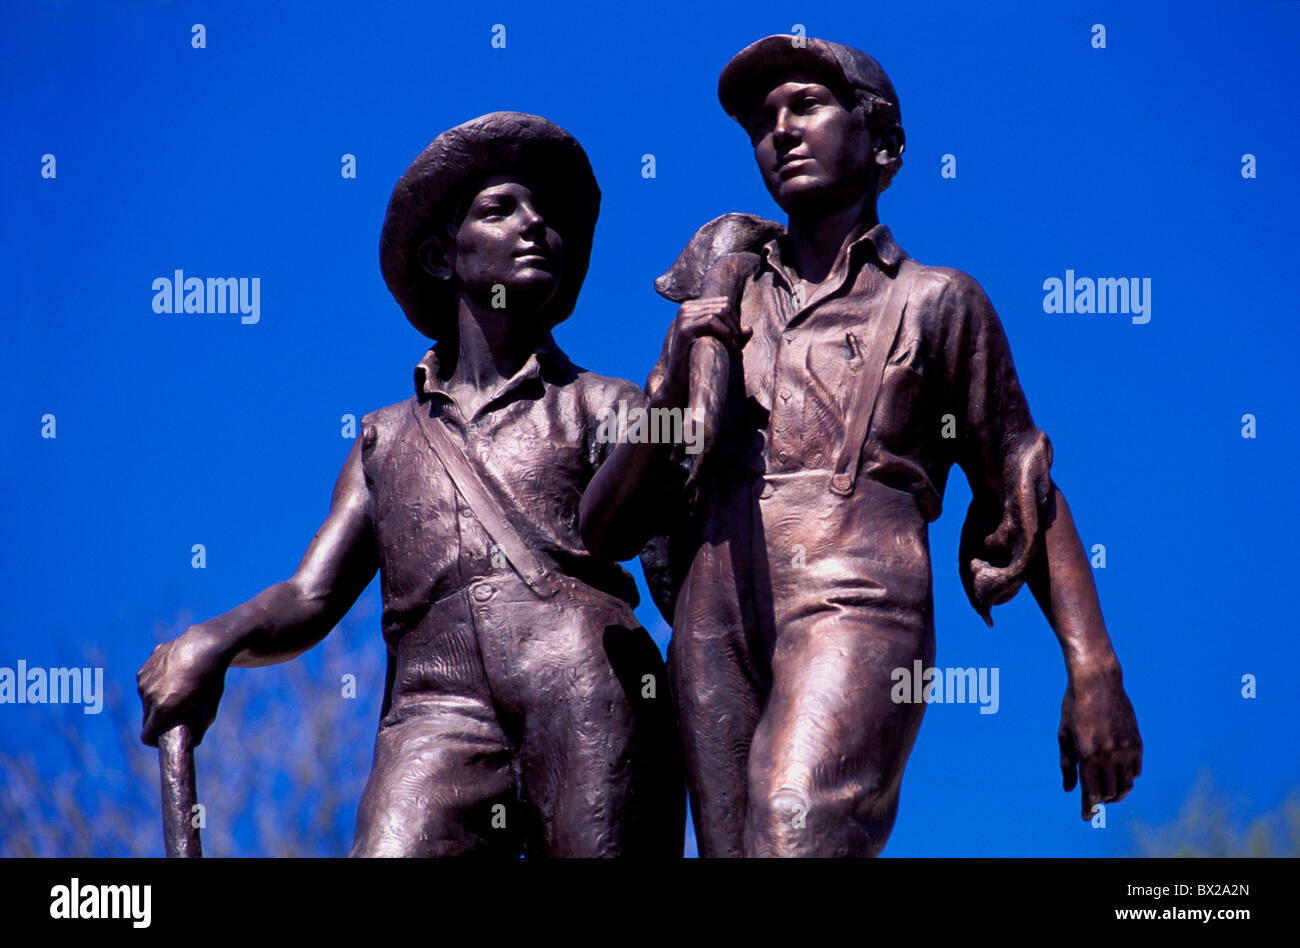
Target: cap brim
x,y
749,76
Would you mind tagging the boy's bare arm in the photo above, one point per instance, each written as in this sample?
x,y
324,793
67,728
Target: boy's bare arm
x,y
183,679
619,511
1099,740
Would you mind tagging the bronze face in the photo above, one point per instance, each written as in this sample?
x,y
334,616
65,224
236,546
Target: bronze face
x,y
812,146
503,243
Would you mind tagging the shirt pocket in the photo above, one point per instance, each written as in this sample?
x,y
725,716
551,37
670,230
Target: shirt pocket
x,y
834,365
902,412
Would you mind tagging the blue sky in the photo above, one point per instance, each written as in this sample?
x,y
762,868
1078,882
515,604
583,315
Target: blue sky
x,y
225,161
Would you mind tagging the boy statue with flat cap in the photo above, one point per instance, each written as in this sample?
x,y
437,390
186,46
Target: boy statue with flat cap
x,y
518,715
838,381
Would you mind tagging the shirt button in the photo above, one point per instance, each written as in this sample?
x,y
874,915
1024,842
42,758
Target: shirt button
x,y
840,481
784,456
466,512
785,396
789,337
483,591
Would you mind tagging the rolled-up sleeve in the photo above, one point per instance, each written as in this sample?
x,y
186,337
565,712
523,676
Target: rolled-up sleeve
x,y
1006,458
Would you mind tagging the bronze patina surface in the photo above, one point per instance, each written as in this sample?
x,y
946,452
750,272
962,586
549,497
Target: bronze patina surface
x,y
525,709
855,379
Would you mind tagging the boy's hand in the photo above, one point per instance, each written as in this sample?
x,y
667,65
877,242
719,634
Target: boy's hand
x,y
713,317
182,682
1099,738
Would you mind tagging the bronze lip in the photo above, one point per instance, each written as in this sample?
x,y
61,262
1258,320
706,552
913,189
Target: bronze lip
x,y
784,165
543,253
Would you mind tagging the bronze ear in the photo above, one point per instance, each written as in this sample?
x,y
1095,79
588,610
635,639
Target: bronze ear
x,y
433,259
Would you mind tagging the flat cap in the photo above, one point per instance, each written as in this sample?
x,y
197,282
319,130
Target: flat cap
x,y
748,78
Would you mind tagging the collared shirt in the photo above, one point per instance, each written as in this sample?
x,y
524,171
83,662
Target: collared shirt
x,y
535,445
949,395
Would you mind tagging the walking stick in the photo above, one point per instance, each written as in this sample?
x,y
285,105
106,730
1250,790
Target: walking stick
x,y
179,796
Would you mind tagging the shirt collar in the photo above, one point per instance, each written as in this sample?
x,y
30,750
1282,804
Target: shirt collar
x,y
877,239
546,362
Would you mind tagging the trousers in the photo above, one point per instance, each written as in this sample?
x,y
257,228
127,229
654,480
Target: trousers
x,y
796,607
518,725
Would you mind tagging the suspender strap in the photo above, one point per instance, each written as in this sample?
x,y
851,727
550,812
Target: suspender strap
x,y
879,343
535,569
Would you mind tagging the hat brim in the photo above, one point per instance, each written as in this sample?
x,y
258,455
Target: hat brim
x,y
426,195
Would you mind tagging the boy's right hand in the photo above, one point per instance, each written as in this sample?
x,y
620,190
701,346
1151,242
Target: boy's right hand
x,y
710,316
182,683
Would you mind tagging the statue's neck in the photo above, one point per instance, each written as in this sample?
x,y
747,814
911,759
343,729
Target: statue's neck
x,y
491,348
819,239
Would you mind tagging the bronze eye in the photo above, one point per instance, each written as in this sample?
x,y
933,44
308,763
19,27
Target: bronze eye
x,y
493,209
807,100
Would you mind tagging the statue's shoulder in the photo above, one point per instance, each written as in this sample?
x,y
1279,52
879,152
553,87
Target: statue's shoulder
x,y
599,392
942,292
928,282
389,415
380,427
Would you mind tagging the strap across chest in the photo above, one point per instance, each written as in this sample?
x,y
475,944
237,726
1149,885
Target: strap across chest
x,y
534,567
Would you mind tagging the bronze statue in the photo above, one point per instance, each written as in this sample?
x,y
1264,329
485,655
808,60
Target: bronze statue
x,y
838,381
525,709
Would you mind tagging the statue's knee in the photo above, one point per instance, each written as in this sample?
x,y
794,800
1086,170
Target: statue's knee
x,y
375,846
779,817
790,821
